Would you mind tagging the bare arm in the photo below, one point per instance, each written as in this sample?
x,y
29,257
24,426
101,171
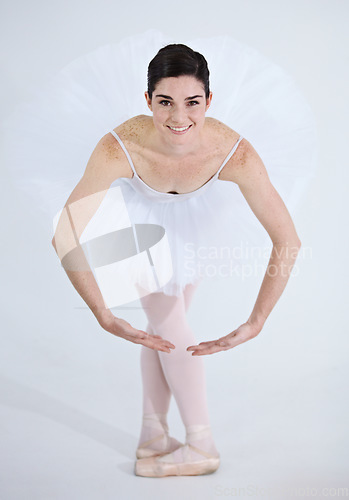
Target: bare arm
x,y
252,178
104,166
268,207
67,246
80,207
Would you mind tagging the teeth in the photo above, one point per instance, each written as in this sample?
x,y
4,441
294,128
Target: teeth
x,y
179,129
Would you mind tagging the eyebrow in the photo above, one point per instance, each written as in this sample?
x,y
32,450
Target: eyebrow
x,y
186,99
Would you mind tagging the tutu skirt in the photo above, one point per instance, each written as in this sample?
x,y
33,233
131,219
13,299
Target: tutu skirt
x,y
47,142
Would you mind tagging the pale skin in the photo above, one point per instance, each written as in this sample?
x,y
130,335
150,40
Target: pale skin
x,y
155,148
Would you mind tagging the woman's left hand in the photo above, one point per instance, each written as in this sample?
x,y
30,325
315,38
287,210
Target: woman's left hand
x,y
245,332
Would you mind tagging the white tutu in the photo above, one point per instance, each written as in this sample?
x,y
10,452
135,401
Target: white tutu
x,y
47,143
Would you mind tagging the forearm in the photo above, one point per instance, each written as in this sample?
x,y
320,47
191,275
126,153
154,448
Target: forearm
x,y
66,242
87,287
80,274
278,271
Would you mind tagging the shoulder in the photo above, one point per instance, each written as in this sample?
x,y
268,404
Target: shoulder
x,y
108,158
108,151
245,167
245,164
134,129
221,131
224,137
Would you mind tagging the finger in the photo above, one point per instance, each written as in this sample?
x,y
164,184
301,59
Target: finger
x,y
156,338
204,345
165,346
144,338
211,347
161,348
221,345
222,341
191,347
208,350
164,341
160,345
155,346
168,344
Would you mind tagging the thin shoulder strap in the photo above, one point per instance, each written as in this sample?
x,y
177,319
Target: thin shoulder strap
x,y
230,154
125,151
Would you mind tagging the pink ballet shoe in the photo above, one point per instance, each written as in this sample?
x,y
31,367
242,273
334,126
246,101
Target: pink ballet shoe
x,y
157,467
144,451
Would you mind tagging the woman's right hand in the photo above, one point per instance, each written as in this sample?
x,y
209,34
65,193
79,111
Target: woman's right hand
x,y
123,329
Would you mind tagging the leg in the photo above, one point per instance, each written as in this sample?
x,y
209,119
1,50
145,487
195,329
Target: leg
x,y
157,393
183,372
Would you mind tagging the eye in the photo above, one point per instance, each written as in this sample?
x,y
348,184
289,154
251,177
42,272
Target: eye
x,y
164,102
193,103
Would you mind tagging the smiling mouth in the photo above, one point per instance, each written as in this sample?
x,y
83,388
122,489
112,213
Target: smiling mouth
x,y
179,129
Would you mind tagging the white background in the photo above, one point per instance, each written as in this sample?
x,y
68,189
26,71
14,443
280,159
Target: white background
x,y
71,394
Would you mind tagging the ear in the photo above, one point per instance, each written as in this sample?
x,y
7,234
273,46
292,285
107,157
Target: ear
x,y
147,98
208,101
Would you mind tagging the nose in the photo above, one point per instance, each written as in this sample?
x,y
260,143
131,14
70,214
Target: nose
x,y
179,115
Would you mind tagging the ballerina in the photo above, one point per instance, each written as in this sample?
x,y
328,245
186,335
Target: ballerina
x,y
163,163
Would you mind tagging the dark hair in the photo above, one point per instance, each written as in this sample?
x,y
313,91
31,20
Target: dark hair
x,y
175,60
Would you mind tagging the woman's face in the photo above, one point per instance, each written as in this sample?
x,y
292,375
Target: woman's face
x,y
179,106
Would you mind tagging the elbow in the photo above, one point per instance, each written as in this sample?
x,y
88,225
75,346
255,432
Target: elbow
x,y
297,243
290,243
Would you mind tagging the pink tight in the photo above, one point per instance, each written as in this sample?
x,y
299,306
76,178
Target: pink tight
x,y
178,372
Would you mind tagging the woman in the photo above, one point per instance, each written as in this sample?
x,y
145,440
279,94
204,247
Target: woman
x,y
165,161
